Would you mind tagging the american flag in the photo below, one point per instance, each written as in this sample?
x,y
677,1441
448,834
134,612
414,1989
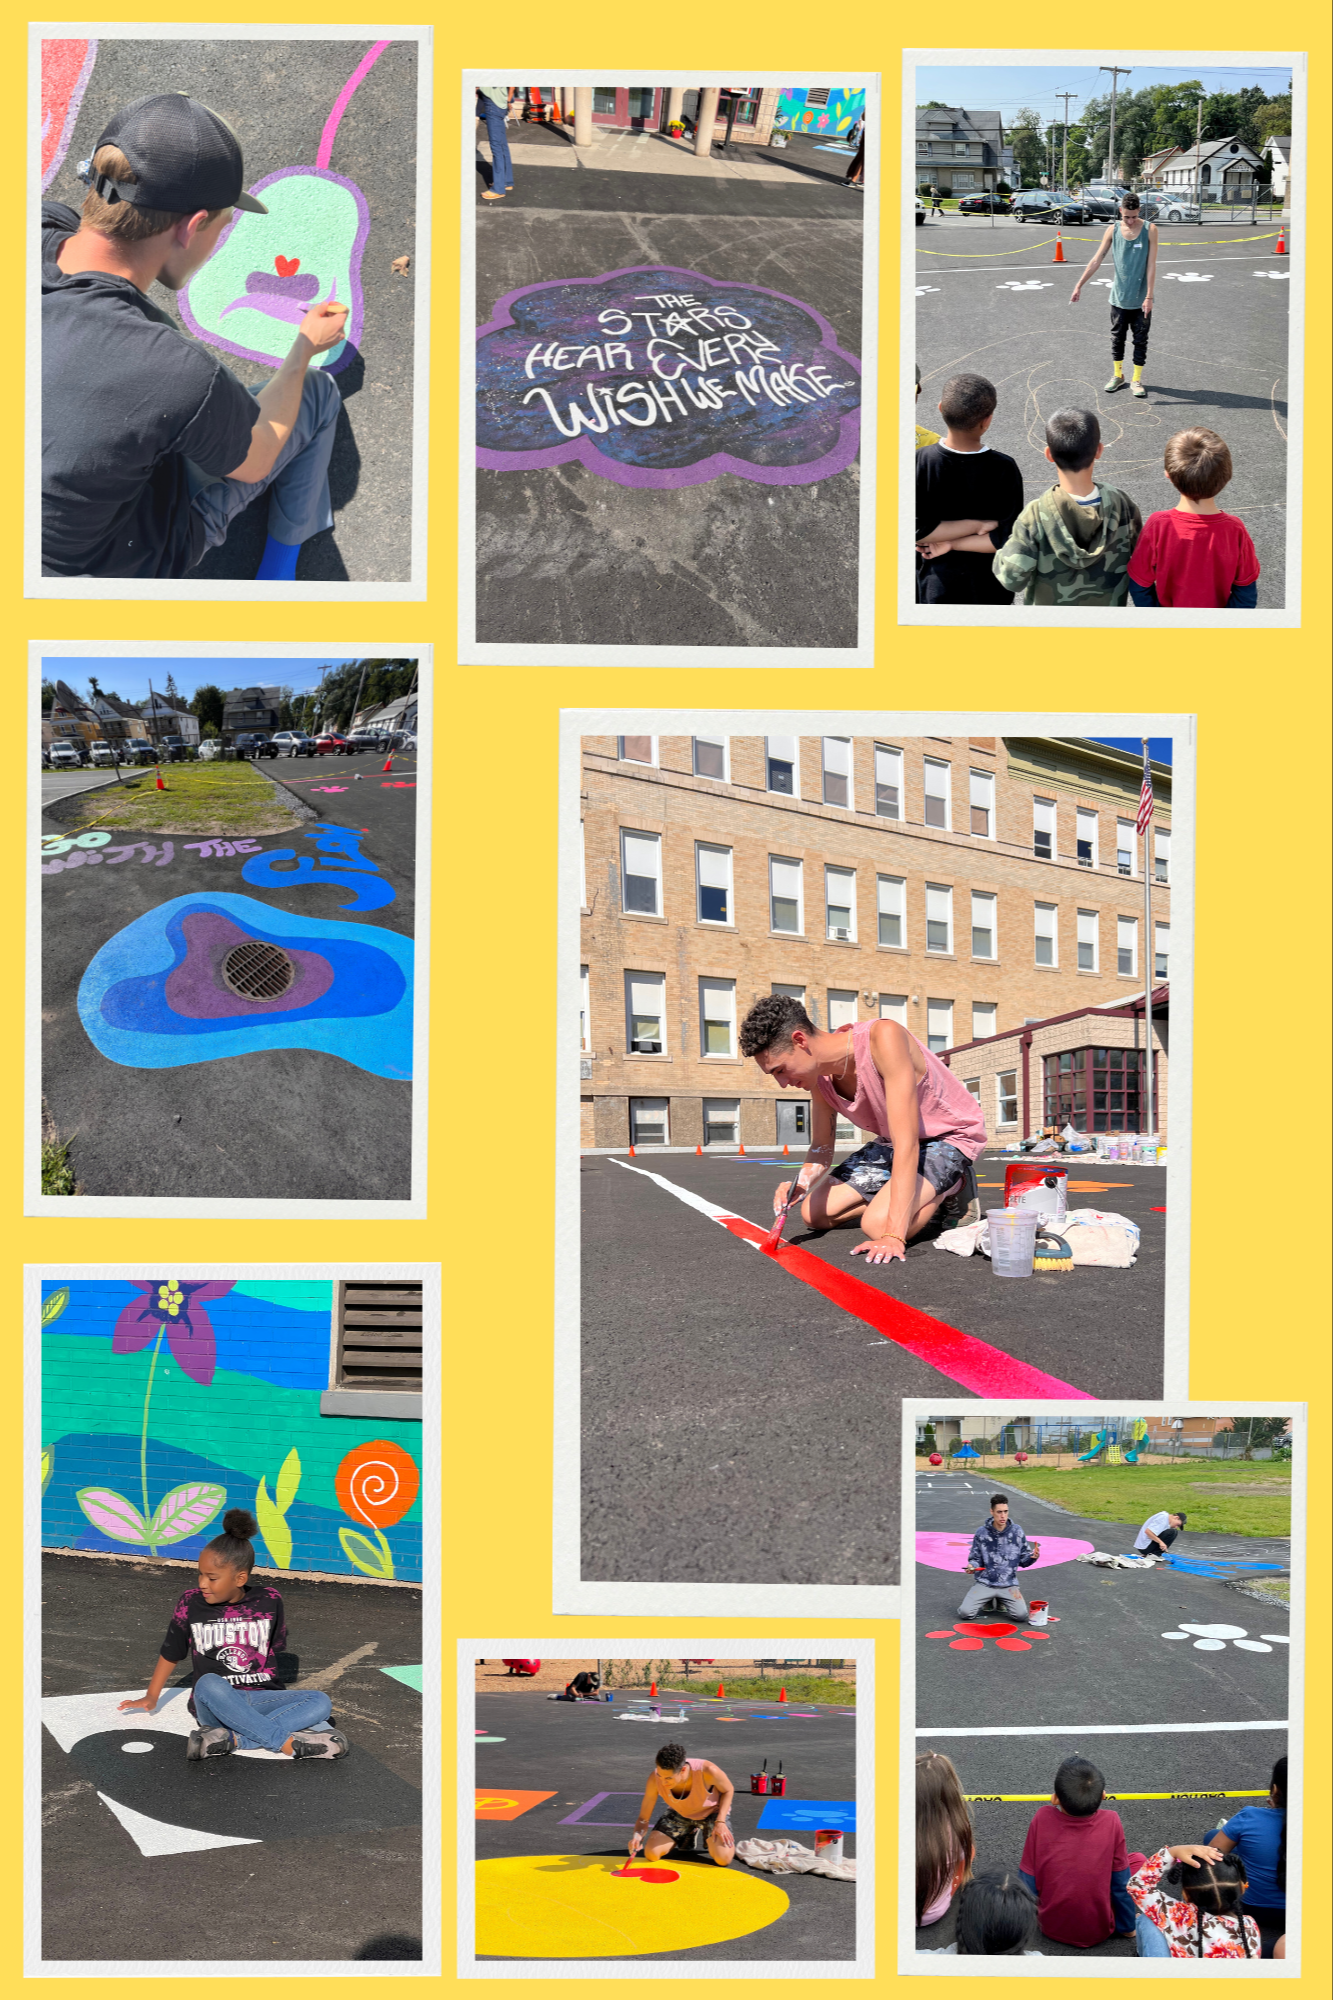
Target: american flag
x,y
1144,820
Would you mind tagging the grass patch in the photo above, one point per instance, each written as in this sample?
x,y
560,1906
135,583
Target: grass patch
x,y
800,1687
1220,1498
214,798
57,1173
1270,1589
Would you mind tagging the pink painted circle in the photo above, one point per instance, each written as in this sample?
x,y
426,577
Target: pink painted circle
x,y
940,1550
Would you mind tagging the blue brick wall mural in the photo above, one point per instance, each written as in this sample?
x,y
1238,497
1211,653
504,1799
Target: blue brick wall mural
x,y
831,120
167,1400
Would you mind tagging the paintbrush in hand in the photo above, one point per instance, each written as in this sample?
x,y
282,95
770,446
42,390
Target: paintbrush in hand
x,y
774,1235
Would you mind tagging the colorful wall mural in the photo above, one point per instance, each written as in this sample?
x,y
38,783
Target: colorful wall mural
x,y
832,120
167,1400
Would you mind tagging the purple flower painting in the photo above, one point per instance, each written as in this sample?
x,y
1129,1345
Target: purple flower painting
x,y
175,1307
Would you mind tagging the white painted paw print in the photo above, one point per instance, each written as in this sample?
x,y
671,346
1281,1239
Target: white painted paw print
x,y
1279,275
1032,285
1191,277
1215,1638
922,289
1108,282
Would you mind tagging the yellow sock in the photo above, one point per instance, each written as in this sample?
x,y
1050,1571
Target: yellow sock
x,y
1119,368
1138,372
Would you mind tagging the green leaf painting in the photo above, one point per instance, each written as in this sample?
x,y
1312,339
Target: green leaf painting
x,y
187,1510
48,1464
113,1515
289,1479
54,1305
365,1555
272,1514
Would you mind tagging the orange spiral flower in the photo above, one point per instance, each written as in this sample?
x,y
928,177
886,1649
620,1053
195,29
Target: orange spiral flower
x,y
377,1483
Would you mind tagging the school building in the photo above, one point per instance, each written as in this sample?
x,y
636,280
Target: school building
x,y
987,892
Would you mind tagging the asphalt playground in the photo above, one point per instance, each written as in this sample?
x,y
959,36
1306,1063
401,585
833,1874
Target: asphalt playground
x,y
740,1425
567,557
1170,1682
146,1856
558,1789
991,302
279,96
327,1119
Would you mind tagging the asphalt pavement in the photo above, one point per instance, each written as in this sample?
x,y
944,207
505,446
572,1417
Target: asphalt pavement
x,y
738,1426
299,1122
991,302
585,1752
61,784
278,95
565,556
127,1868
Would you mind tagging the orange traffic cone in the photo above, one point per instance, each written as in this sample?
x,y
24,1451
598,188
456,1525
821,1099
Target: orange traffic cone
x,y
786,1149
698,1149
160,786
387,765
783,1695
1281,250
1059,256
721,1692
653,1691
742,1150
631,1152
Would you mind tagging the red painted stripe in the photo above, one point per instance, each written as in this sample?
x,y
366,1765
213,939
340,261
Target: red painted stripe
x,y
973,1364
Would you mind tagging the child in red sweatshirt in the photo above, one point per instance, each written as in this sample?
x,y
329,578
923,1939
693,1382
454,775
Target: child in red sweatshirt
x,y
1074,1861
1194,556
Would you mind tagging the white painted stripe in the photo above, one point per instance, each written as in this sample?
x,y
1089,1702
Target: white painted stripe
x,y
989,270
1108,1729
708,1208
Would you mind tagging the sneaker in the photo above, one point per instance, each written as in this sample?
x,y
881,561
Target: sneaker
x,y
209,1743
1116,382
1137,389
319,1743
961,1204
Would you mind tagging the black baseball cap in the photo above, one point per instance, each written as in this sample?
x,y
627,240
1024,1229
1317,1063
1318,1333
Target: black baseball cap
x,y
186,158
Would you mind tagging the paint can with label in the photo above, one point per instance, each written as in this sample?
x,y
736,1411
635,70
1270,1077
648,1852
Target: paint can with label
x,y
1039,1611
1044,1188
778,1784
828,1844
759,1781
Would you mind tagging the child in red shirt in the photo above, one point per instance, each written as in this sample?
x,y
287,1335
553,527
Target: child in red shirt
x,y
1195,557
1074,1861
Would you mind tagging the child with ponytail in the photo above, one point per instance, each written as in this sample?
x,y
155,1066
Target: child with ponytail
x,y
944,1840
1190,1905
233,1629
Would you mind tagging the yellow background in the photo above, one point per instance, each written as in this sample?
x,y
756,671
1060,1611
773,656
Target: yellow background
x,y
1260,1148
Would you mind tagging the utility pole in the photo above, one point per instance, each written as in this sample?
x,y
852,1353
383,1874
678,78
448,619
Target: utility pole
x,y
1116,74
1198,145
1064,171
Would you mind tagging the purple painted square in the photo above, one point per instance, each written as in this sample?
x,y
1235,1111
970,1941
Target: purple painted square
x,y
602,1808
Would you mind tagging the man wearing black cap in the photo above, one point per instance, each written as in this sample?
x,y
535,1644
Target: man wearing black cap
x,y
150,446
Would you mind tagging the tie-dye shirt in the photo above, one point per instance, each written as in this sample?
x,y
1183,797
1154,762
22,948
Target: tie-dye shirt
x,y
240,1641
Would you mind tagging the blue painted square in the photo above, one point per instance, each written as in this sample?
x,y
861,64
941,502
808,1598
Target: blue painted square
x,y
810,1814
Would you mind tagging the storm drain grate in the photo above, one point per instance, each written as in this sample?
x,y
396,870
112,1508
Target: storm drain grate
x,y
258,971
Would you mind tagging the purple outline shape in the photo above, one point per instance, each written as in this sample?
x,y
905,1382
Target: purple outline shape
x,y
357,304
72,108
577,1819
582,450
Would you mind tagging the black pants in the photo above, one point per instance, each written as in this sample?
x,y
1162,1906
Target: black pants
x,y
1133,320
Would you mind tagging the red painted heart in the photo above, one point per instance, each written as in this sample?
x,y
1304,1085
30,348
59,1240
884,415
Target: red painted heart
x,y
286,267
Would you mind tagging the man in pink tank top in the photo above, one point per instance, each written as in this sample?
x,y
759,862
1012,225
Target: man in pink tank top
x,y
697,1796
929,1128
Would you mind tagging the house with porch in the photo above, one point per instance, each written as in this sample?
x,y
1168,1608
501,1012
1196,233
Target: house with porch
x,y
1277,159
1224,170
958,151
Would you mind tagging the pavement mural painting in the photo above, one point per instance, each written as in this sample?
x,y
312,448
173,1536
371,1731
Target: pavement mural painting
x,y
270,269
653,376
66,68
591,1906
942,1551
207,976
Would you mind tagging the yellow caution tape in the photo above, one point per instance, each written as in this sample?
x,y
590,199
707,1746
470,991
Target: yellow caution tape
x,y
1039,1798
1190,243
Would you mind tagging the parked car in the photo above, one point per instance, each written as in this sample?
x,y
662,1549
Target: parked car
x,y
209,749
1035,206
920,210
985,204
1176,208
330,742
64,757
361,739
105,756
294,743
251,745
175,749
141,750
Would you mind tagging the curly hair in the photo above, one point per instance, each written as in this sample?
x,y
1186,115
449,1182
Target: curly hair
x,y
671,1756
771,1022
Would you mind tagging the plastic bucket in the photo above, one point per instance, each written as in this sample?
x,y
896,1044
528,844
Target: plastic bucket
x,y
1013,1239
828,1844
1039,1611
1043,1188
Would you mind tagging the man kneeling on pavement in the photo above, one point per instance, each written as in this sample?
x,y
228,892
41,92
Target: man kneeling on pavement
x,y
999,1550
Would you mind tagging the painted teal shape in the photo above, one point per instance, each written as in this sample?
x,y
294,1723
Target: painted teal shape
x,y
364,1017
268,270
409,1676
308,1295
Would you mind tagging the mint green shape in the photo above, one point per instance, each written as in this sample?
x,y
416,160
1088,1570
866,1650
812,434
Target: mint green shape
x,y
409,1676
302,1295
310,218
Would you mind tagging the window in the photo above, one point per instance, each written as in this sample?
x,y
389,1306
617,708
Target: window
x,y
893,1007
1127,945
983,925
641,100
641,873
1006,1091
377,1345
981,795
1043,829
713,880
939,918
1162,952
841,1009
784,896
1124,846
603,103
780,757
891,891
1087,941
939,1025
1095,1090
648,1121
840,903
645,1007
717,1017
961,180
1044,926
790,992
937,793
1086,838
710,757
722,1120
983,1019
972,1085
638,750
837,770
585,1021
1161,854
888,782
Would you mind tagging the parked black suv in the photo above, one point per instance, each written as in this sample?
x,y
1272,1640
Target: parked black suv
x,y
255,746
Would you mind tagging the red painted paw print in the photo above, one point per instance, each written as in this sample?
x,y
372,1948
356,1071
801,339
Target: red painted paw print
x,y
970,1637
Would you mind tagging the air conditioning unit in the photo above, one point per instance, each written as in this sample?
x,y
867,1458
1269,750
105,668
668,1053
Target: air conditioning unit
x,y
843,936
585,1069
646,1048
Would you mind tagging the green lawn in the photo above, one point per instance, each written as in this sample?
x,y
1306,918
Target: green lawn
x,y
800,1688
1236,1499
57,1172
212,798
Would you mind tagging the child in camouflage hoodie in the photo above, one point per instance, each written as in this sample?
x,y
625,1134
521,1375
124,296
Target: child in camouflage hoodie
x,y
1071,545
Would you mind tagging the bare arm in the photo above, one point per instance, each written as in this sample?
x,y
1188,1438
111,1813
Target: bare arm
x,y
818,1161
645,1814
1100,252
280,400
725,1790
162,1673
889,1215
1152,266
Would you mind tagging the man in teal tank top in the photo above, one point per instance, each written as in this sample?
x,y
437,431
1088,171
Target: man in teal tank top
x,y
1133,246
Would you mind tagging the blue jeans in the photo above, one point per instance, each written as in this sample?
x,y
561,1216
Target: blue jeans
x,y
502,167
1149,1940
299,504
261,1718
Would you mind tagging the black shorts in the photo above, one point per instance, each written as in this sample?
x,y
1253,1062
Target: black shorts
x,y
680,1828
868,1169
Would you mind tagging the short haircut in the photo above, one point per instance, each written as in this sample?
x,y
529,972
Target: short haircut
x,y
122,219
1079,1787
1198,463
671,1756
1182,1518
1072,438
1130,200
770,1024
999,1499
967,401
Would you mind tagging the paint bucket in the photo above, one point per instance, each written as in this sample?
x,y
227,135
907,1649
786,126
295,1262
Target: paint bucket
x,y
759,1783
828,1844
1043,1188
1013,1240
1161,1156
778,1786
1039,1611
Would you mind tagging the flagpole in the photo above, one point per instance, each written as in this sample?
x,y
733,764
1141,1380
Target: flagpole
x,y
1149,941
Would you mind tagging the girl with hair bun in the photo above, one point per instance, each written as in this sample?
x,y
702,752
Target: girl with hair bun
x,y
233,1630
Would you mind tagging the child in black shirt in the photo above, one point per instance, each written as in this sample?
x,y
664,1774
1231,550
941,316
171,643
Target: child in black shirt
x,y
967,500
233,1630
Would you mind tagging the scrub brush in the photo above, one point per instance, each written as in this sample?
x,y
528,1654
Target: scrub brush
x,y
1050,1253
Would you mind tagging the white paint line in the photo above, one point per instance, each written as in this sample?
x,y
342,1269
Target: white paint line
x,y
155,1836
708,1208
1109,1729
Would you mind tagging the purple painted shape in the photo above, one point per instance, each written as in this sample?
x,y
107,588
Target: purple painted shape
x,y
300,287
57,160
576,1818
277,307
582,450
195,989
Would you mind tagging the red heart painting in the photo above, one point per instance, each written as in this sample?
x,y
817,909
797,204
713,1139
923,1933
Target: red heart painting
x,y
286,267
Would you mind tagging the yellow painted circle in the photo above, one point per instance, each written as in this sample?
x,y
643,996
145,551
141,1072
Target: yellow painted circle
x,y
571,1906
